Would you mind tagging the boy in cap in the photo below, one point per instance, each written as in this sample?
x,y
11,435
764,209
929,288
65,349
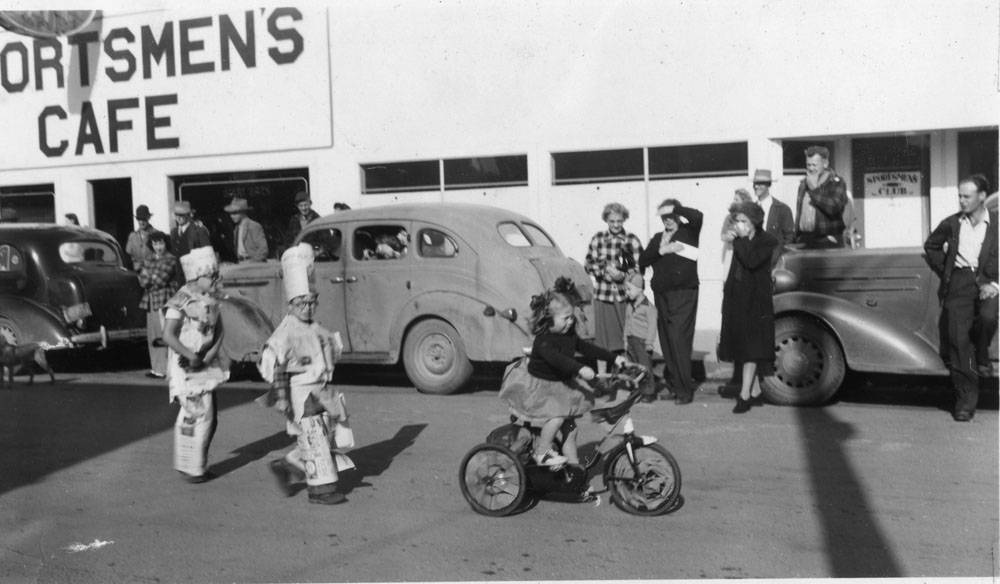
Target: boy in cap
x,y
192,330
298,361
640,331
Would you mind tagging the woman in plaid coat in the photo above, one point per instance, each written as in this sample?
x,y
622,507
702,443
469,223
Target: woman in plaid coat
x,y
158,276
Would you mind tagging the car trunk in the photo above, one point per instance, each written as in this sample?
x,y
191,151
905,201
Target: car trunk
x,y
113,295
552,266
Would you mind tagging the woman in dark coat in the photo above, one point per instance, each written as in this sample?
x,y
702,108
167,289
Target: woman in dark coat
x,y
747,303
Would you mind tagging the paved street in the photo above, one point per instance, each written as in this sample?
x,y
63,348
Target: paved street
x,y
885,485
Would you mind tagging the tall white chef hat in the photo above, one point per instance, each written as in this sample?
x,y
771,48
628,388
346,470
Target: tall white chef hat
x,y
200,262
296,268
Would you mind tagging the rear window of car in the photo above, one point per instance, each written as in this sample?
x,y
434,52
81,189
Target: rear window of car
x,y
88,252
538,237
513,234
436,244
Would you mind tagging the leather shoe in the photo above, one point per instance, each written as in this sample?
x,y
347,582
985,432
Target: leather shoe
x,y
742,406
683,400
334,498
728,390
202,478
648,399
961,416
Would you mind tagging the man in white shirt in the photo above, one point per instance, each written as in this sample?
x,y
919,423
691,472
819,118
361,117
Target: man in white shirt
x,y
962,250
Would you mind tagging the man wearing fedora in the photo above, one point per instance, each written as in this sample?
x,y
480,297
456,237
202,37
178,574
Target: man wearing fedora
x,y
186,234
778,219
248,236
136,246
302,218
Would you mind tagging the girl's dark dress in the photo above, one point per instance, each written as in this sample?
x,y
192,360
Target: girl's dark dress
x,y
748,305
541,387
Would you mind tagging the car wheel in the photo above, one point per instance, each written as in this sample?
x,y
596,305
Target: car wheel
x,y
808,363
435,359
9,329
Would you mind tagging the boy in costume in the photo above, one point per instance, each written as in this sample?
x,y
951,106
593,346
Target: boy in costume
x,y
298,361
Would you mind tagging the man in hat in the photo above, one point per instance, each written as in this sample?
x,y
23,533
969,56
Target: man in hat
x,y
298,361
820,203
673,255
137,245
778,219
72,219
248,236
192,329
302,218
186,234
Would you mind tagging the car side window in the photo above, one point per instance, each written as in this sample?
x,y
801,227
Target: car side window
x,y
381,242
513,234
436,244
326,244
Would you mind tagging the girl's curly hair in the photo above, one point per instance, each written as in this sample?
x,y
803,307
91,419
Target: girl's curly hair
x,y
563,290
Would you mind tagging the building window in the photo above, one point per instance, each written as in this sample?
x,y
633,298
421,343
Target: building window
x,y
399,177
30,203
486,171
667,162
597,166
977,154
793,154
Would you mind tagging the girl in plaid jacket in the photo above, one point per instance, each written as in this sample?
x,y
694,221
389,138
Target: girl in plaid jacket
x,y
158,278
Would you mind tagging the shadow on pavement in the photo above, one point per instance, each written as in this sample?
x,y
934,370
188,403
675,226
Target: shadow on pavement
x,y
252,452
47,428
854,543
910,390
374,459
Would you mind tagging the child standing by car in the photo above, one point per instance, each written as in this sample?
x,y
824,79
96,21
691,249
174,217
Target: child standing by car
x,y
640,332
548,392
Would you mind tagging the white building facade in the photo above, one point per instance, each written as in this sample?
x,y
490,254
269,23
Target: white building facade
x,y
552,109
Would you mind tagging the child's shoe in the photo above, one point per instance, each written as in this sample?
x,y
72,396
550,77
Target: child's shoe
x,y
549,458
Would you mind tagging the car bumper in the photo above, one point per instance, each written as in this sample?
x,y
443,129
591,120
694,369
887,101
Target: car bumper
x,y
103,336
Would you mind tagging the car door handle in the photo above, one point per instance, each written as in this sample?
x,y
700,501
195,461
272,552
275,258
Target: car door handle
x,y
351,279
337,280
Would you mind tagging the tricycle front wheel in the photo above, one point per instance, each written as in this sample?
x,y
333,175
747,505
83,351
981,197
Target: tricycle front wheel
x,y
493,480
650,486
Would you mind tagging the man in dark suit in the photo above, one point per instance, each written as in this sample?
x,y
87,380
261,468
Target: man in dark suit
x,y
962,250
778,219
673,255
186,234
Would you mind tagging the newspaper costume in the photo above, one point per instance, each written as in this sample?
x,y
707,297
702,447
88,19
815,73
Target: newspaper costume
x,y
298,360
201,332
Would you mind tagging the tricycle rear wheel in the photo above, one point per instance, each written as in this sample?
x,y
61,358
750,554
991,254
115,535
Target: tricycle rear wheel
x,y
493,480
650,487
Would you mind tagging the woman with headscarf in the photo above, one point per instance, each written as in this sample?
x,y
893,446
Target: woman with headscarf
x,y
747,303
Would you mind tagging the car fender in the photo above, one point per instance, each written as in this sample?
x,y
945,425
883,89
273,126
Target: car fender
x,y
38,323
486,337
871,341
246,328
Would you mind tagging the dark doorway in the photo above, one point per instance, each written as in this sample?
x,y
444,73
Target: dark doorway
x,y
891,187
977,154
113,207
270,194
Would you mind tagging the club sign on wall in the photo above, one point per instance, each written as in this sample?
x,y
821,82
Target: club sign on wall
x,y
894,198
164,84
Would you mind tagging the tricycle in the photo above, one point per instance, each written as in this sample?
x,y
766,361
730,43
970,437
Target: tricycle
x,y
500,477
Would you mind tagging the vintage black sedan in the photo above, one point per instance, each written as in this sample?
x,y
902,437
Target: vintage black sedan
x,y
865,310
66,287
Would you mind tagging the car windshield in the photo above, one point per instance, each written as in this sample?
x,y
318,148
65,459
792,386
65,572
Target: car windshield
x,y
93,252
